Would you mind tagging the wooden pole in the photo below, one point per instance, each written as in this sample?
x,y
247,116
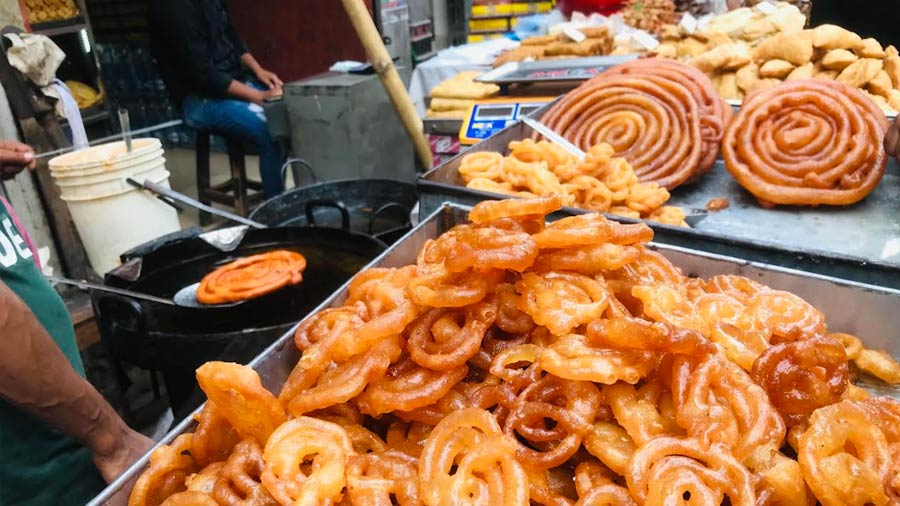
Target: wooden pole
x,y
384,66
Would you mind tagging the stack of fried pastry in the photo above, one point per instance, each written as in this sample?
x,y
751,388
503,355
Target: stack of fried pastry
x,y
519,363
827,52
598,42
663,117
452,98
600,183
807,142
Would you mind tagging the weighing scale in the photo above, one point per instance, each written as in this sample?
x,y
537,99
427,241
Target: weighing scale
x,y
488,117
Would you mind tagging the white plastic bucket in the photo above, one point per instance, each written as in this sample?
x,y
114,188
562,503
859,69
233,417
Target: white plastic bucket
x,y
111,215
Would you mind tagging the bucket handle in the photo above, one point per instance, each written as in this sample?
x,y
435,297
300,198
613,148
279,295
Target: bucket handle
x,y
289,164
335,204
387,207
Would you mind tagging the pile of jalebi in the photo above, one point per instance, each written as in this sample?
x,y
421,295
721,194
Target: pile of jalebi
x,y
664,117
599,183
519,363
251,277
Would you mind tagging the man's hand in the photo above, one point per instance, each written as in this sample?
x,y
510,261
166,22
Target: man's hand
x,y
269,79
126,449
14,158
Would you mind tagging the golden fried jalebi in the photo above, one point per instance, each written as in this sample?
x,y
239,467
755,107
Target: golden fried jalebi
x,y
240,483
317,388
169,468
561,364
305,462
373,479
717,403
587,259
252,277
238,393
562,301
611,444
845,457
572,357
598,183
652,121
440,342
667,469
214,438
486,470
880,364
408,386
572,405
807,142
803,376
492,210
190,499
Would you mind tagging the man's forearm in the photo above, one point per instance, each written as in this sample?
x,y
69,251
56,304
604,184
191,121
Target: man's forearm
x,y
243,92
250,62
36,377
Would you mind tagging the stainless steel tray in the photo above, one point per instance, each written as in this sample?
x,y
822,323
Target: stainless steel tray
x,y
552,71
866,311
860,242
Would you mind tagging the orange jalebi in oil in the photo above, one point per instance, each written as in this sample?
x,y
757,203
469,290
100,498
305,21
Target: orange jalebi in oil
x,y
251,277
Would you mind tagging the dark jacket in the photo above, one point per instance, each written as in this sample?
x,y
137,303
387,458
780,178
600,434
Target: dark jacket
x,y
196,47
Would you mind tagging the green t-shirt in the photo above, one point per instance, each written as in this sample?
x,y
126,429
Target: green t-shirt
x,y
38,464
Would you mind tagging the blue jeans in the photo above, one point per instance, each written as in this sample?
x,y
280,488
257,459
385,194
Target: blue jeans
x,y
242,120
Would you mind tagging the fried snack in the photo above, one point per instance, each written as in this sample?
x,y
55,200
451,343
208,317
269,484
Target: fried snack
x,y
240,478
667,468
486,470
599,183
214,438
251,277
718,403
238,393
463,87
190,498
715,112
844,456
327,447
802,376
796,48
372,479
585,367
781,146
169,466
634,115
835,37
880,364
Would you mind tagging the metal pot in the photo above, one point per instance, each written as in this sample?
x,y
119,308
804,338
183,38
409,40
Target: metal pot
x,y
376,207
176,340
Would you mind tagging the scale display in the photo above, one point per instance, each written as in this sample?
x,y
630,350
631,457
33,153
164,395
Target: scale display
x,y
487,118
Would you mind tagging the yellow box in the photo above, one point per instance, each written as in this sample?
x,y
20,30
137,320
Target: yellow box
x,y
512,8
487,25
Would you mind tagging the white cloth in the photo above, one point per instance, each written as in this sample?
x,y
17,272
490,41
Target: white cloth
x,y
68,108
36,56
452,61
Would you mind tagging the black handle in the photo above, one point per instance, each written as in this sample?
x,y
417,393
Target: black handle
x,y
121,316
335,204
387,207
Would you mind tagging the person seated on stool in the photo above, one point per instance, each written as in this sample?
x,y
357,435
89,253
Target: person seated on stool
x,y
215,80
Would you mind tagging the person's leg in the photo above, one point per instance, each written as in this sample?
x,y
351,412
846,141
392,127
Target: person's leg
x,y
244,121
